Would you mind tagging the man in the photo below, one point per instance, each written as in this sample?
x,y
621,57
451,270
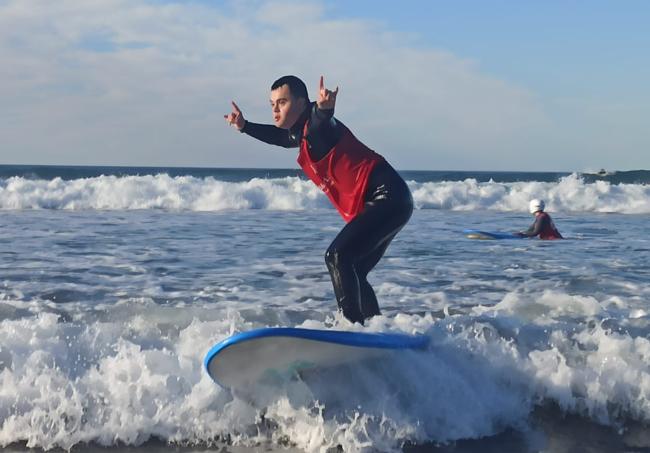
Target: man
x,y
543,225
367,192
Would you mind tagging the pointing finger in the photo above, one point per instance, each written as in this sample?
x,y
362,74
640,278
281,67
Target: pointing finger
x,y
322,84
234,106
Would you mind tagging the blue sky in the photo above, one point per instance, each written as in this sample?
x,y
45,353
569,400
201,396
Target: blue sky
x,y
464,85
563,47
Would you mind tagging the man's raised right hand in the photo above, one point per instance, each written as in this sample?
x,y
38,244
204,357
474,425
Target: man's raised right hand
x,y
236,118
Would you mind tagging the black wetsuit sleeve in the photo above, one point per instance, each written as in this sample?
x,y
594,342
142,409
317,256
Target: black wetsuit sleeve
x,y
320,118
323,132
536,227
269,134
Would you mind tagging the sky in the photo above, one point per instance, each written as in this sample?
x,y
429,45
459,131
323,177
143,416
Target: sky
x,y
504,85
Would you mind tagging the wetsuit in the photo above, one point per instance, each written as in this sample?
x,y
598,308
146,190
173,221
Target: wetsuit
x,y
544,227
386,207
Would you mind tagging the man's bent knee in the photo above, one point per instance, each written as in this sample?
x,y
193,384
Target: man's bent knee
x,y
334,258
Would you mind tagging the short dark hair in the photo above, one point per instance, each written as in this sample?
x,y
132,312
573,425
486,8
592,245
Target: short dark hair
x,y
296,86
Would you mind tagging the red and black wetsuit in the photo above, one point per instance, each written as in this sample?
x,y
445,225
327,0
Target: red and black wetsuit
x,y
544,227
369,194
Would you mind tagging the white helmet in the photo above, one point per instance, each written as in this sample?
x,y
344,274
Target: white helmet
x,y
536,205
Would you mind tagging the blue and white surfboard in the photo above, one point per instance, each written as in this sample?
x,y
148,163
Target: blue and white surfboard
x,y
279,352
478,234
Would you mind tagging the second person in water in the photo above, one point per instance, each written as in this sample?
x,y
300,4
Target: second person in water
x,y
543,225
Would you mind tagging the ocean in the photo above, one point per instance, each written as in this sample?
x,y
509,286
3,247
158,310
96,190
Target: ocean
x,y
115,282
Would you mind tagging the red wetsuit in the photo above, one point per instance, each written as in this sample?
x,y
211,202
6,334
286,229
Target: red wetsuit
x,y
543,226
342,173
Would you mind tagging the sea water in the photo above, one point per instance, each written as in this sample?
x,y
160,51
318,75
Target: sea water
x,y
114,283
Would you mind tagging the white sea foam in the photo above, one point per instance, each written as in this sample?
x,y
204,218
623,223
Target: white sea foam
x,y
570,194
122,382
158,192
63,383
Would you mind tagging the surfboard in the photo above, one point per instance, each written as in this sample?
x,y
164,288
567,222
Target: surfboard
x,y
477,234
275,354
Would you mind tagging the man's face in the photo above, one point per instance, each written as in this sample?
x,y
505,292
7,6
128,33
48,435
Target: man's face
x,y
286,108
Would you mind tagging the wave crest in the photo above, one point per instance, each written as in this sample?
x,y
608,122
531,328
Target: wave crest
x,y
569,194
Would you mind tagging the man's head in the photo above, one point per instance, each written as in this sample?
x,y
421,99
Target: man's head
x,y
289,99
536,206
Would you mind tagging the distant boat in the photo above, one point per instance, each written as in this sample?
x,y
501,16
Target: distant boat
x,y
618,177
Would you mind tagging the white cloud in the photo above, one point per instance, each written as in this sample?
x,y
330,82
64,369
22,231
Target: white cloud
x,y
138,83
